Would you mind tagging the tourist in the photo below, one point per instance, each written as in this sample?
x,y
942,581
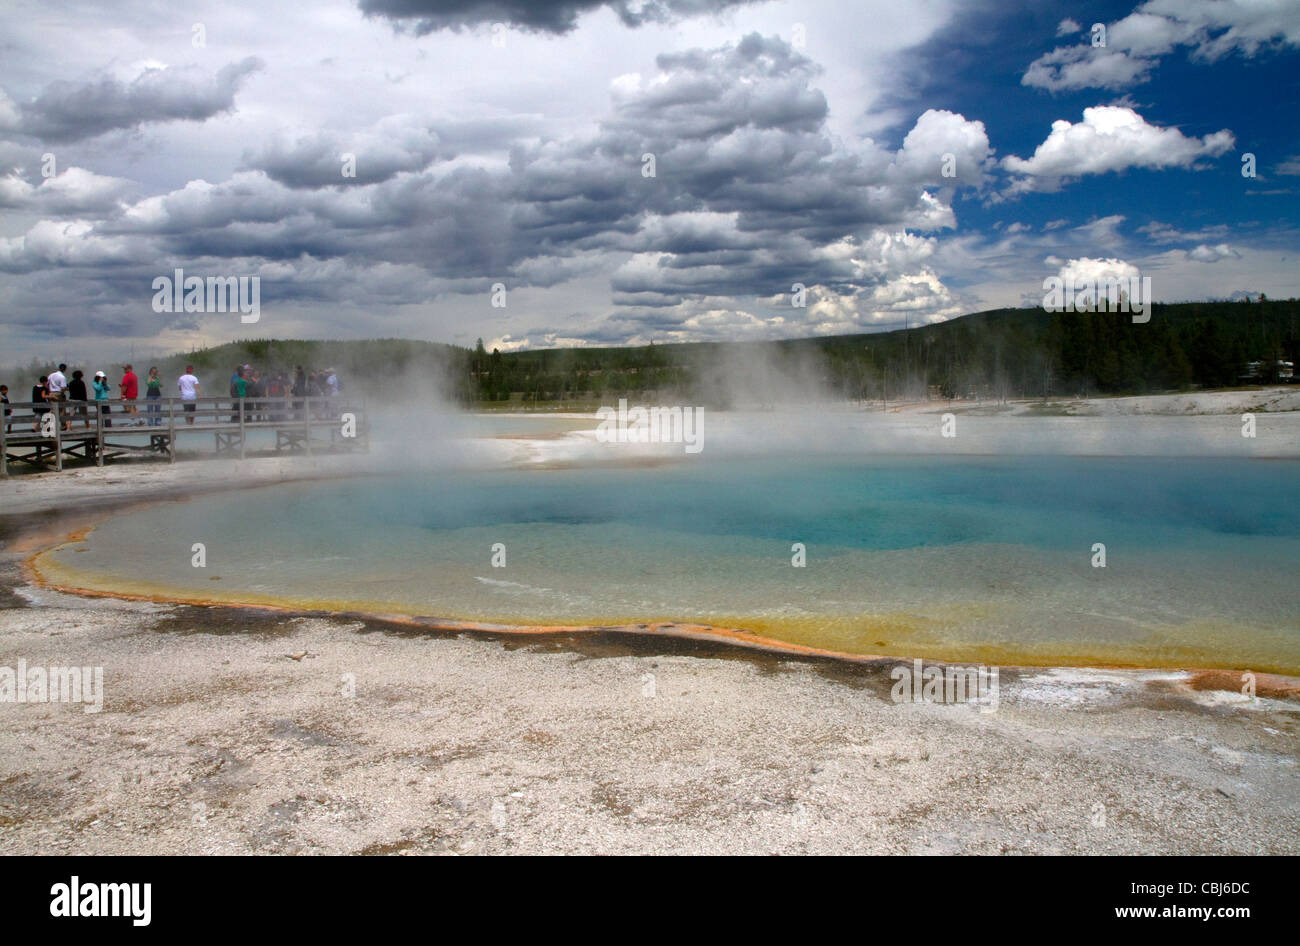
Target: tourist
x,y
130,387
189,388
56,389
238,390
38,397
100,385
299,388
153,392
4,399
77,392
331,382
316,388
277,390
255,390
322,380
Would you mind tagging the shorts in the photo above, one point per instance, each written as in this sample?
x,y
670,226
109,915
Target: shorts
x,y
189,407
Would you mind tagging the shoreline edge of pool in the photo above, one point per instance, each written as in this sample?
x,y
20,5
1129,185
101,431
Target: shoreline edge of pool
x,y
75,523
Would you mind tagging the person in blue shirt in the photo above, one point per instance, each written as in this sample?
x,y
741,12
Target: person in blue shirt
x,y
100,384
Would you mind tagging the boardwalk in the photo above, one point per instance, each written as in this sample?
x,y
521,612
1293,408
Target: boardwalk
x,y
47,434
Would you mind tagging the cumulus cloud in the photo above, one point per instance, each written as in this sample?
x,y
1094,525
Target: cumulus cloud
x,y
1244,26
1083,67
75,191
940,138
1212,254
68,111
1109,138
1210,29
397,143
543,16
57,244
860,284
750,194
1090,271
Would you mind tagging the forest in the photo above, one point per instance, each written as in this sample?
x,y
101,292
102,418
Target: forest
x,y
1004,353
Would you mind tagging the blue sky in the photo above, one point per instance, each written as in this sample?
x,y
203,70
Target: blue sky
x,y
976,65
503,142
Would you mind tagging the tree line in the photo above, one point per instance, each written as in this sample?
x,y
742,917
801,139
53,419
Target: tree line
x,y
1004,353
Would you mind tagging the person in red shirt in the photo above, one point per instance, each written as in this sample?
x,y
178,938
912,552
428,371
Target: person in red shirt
x,y
130,387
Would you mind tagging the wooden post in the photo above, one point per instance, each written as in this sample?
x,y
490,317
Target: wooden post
x,y
307,421
171,430
241,428
58,436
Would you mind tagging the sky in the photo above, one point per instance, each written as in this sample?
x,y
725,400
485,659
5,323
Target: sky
x,y
585,172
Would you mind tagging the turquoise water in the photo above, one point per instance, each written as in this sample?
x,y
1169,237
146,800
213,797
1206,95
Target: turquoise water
x,y
960,557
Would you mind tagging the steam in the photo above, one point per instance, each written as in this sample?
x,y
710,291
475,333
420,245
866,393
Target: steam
x,y
764,400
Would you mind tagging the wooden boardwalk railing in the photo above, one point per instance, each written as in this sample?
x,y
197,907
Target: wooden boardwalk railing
x,y
43,433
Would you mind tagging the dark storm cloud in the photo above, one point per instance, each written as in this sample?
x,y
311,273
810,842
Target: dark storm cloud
x,y
737,131
762,272
68,111
542,16
702,98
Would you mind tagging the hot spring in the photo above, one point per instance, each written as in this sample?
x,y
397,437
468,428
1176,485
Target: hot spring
x,y
991,559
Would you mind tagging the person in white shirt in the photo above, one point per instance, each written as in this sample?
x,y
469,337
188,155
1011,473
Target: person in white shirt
x,y
189,388
57,380
56,388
